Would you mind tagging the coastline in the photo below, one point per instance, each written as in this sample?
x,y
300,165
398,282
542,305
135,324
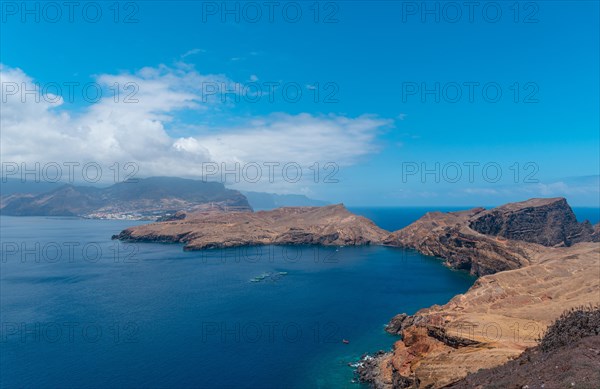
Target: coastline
x,y
523,287
518,250
499,317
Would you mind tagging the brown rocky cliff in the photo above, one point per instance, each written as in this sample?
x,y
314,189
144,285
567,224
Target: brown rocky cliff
x,y
448,236
328,225
503,238
549,222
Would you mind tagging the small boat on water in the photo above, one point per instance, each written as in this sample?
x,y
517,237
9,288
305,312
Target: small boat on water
x,y
269,276
345,341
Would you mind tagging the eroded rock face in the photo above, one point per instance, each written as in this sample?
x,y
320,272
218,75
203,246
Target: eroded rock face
x,y
330,225
489,241
448,235
574,366
549,222
494,322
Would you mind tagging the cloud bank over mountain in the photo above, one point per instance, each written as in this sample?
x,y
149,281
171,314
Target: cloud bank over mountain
x,y
139,124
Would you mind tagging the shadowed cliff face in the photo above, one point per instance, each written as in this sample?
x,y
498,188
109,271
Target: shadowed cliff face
x,y
330,225
448,235
549,222
488,241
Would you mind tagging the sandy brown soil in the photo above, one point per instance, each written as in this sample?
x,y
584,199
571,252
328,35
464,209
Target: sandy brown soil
x,y
502,314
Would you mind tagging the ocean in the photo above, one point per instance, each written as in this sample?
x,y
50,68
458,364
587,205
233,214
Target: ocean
x,y
79,310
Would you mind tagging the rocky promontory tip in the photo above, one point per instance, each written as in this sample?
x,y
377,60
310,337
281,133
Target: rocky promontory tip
x,y
503,238
549,222
329,225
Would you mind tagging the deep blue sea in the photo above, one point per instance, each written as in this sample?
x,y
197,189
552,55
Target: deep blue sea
x,y
78,310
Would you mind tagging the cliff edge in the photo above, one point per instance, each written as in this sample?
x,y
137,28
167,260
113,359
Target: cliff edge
x,y
503,238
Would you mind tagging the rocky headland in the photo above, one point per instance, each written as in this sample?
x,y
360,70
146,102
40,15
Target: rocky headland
x,y
503,238
329,225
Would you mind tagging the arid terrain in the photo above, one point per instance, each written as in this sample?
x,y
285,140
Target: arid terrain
x,y
503,238
329,225
524,287
495,321
568,356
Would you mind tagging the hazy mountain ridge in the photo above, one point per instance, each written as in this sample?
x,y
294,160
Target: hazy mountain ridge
x,y
140,198
12,186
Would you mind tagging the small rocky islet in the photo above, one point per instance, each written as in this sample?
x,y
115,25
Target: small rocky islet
x,y
534,260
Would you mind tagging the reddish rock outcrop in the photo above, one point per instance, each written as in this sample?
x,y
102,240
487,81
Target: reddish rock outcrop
x,y
503,238
329,225
448,236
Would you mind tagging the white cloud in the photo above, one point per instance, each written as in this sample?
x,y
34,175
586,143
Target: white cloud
x,y
192,52
481,191
107,131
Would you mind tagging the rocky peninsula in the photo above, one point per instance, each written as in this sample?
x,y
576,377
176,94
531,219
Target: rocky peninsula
x,y
329,225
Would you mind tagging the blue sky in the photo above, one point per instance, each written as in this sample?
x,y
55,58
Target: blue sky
x,y
367,58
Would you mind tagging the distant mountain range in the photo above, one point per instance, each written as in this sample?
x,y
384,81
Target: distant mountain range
x,y
11,186
147,199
